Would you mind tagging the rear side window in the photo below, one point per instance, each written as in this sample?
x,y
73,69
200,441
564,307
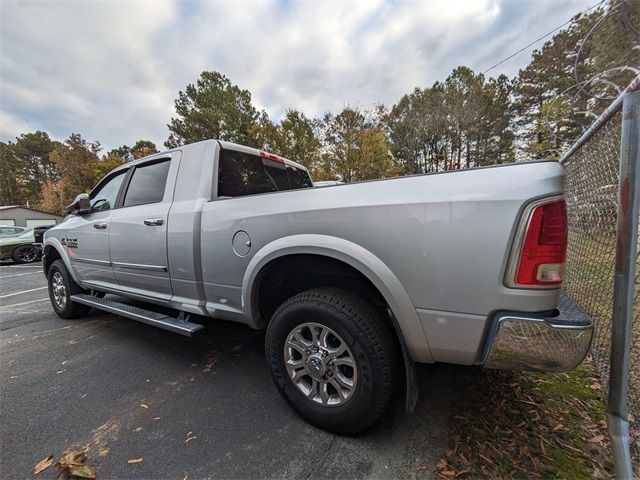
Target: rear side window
x,y
241,174
147,184
298,178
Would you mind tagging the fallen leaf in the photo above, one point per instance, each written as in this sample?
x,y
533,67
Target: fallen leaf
x,y
43,464
83,471
143,405
441,464
156,418
103,452
134,460
596,439
72,464
138,429
448,473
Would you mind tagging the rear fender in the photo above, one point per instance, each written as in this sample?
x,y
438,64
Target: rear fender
x,y
404,312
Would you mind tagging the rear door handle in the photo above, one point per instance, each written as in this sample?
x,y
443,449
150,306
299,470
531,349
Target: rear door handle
x,y
153,221
100,226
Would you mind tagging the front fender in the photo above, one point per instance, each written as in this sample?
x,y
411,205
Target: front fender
x,y
359,258
53,243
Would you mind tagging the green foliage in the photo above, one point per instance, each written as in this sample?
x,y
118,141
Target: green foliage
x,y
357,146
75,161
140,149
105,165
32,153
295,138
550,80
461,122
212,108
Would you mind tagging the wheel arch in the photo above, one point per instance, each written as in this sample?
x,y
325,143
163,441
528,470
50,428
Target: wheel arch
x,y
404,316
54,250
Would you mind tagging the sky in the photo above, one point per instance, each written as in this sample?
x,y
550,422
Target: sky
x,y
111,70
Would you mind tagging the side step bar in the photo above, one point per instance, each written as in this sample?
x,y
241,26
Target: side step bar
x,y
150,317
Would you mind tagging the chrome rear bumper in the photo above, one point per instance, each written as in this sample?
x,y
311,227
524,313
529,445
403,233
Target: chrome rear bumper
x,y
523,342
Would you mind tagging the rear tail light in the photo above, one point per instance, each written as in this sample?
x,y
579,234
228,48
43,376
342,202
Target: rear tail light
x,y
543,252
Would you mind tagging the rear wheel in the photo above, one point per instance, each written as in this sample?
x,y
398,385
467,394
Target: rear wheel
x,y
333,359
61,287
26,254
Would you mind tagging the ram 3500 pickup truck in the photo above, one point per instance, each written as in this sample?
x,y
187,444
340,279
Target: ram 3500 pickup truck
x,y
354,283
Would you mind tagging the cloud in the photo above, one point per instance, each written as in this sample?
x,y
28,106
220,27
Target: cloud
x,y
112,70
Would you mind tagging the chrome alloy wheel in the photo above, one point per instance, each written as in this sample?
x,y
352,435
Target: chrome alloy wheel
x,y
320,364
59,290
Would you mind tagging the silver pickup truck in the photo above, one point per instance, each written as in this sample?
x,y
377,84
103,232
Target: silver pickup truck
x,y
354,283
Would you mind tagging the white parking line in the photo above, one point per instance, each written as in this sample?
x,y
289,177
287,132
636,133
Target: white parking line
x,y
23,303
19,275
24,291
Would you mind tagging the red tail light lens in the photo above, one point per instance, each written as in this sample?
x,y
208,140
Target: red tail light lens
x,y
544,249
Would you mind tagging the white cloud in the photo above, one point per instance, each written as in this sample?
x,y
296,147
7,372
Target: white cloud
x,y
112,70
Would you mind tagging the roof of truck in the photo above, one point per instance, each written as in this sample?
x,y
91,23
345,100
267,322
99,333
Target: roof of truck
x,y
222,143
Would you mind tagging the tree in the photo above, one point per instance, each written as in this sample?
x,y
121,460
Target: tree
x,y
212,108
461,122
105,165
76,161
295,138
141,148
578,68
11,191
32,156
357,146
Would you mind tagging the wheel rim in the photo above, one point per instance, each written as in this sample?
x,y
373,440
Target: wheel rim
x,y
27,254
59,290
320,364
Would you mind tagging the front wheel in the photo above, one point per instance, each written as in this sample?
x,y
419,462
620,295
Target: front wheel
x,y
333,359
61,287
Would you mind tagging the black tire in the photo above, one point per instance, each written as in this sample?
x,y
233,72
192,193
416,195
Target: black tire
x,y
25,254
67,309
371,345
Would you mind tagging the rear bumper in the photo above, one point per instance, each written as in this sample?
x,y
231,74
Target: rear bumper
x,y
527,342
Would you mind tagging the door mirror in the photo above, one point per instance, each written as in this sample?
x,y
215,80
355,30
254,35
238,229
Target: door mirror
x,y
79,206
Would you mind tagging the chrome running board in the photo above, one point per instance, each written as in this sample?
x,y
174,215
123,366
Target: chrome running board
x,y
160,320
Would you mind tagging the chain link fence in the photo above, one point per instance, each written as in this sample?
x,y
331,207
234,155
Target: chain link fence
x,y
593,176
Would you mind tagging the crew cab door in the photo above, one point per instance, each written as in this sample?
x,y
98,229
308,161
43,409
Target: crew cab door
x,y
138,232
87,237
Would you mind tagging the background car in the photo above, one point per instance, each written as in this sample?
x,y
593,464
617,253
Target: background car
x,y
11,231
20,248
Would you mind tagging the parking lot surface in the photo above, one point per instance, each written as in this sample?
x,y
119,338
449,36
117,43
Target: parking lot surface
x,y
203,407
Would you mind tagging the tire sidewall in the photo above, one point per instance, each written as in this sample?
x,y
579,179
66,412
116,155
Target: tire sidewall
x,y
58,266
16,259
337,418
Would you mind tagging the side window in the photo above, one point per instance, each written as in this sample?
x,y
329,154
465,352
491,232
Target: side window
x,y
147,184
278,174
242,174
104,196
298,178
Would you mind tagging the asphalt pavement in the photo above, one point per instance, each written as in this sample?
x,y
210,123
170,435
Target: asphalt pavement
x,y
194,408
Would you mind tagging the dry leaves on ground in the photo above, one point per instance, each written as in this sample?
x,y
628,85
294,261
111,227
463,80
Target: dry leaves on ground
x,y
71,465
43,464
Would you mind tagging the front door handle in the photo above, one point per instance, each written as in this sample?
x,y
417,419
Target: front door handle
x,y
153,221
100,226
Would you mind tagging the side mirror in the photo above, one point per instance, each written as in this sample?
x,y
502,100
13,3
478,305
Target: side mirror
x,y
79,206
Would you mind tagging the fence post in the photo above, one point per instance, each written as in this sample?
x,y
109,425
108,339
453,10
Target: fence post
x,y
624,285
